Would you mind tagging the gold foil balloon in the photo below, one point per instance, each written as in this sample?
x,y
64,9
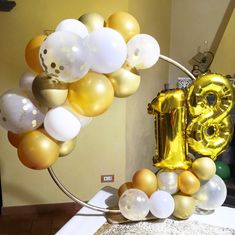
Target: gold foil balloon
x,y
92,21
210,100
145,180
169,108
184,206
92,95
32,53
204,168
168,181
37,150
188,182
124,23
124,187
67,147
125,81
14,139
49,91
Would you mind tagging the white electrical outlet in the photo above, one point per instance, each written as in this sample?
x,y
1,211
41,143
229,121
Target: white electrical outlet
x,y
107,178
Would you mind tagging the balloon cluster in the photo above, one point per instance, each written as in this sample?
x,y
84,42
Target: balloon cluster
x,y
172,192
77,71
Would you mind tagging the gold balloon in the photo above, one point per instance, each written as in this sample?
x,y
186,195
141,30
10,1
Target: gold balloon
x,y
32,53
184,206
37,150
49,91
210,100
124,23
125,81
14,139
92,95
204,168
124,187
169,108
92,21
145,180
67,147
188,182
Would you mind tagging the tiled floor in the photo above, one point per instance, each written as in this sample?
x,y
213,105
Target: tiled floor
x,y
43,223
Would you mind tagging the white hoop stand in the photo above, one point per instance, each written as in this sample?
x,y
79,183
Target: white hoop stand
x,y
82,203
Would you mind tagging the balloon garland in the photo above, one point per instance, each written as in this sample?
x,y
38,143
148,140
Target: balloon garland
x,y
75,78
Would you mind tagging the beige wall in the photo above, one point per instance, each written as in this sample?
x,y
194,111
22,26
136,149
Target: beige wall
x,y
101,147
192,23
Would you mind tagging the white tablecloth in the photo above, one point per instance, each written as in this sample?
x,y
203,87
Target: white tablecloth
x,y
87,221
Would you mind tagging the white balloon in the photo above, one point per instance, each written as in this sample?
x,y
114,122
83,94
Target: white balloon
x,y
26,80
143,51
65,55
19,113
108,50
84,120
162,204
73,26
61,124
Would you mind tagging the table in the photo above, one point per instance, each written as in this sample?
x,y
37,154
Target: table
x,y
87,221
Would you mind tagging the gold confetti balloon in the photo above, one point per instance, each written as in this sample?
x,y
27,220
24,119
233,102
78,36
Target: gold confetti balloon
x,y
204,168
37,150
125,81
124,187
92,21
184,206
92,95
124,23
67,147
145,180
188,182
49,91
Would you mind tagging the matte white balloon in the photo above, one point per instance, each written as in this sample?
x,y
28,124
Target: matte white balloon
x,y
26,80
167,181
65,55
134,204
61,124
18,112
108,50
162,204
211,194
73,26
143,51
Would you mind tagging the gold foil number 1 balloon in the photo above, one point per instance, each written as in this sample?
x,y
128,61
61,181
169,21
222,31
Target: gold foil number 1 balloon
x,y
206,105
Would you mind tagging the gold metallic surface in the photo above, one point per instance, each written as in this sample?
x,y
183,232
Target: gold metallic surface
x,y
125,81
67,147
145,180
188,182
92,95
170,124
184,206
124,187
49,91
92,21
124,23
210,100
204,168
14,139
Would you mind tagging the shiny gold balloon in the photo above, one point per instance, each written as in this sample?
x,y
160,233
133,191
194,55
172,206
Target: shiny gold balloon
x,y
14,139
184,206
92,21
32,53
124,23
37,150
210,100
169,108
124,187
67,147
125,81
204,168
188,182
92,95
49,91
145,180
